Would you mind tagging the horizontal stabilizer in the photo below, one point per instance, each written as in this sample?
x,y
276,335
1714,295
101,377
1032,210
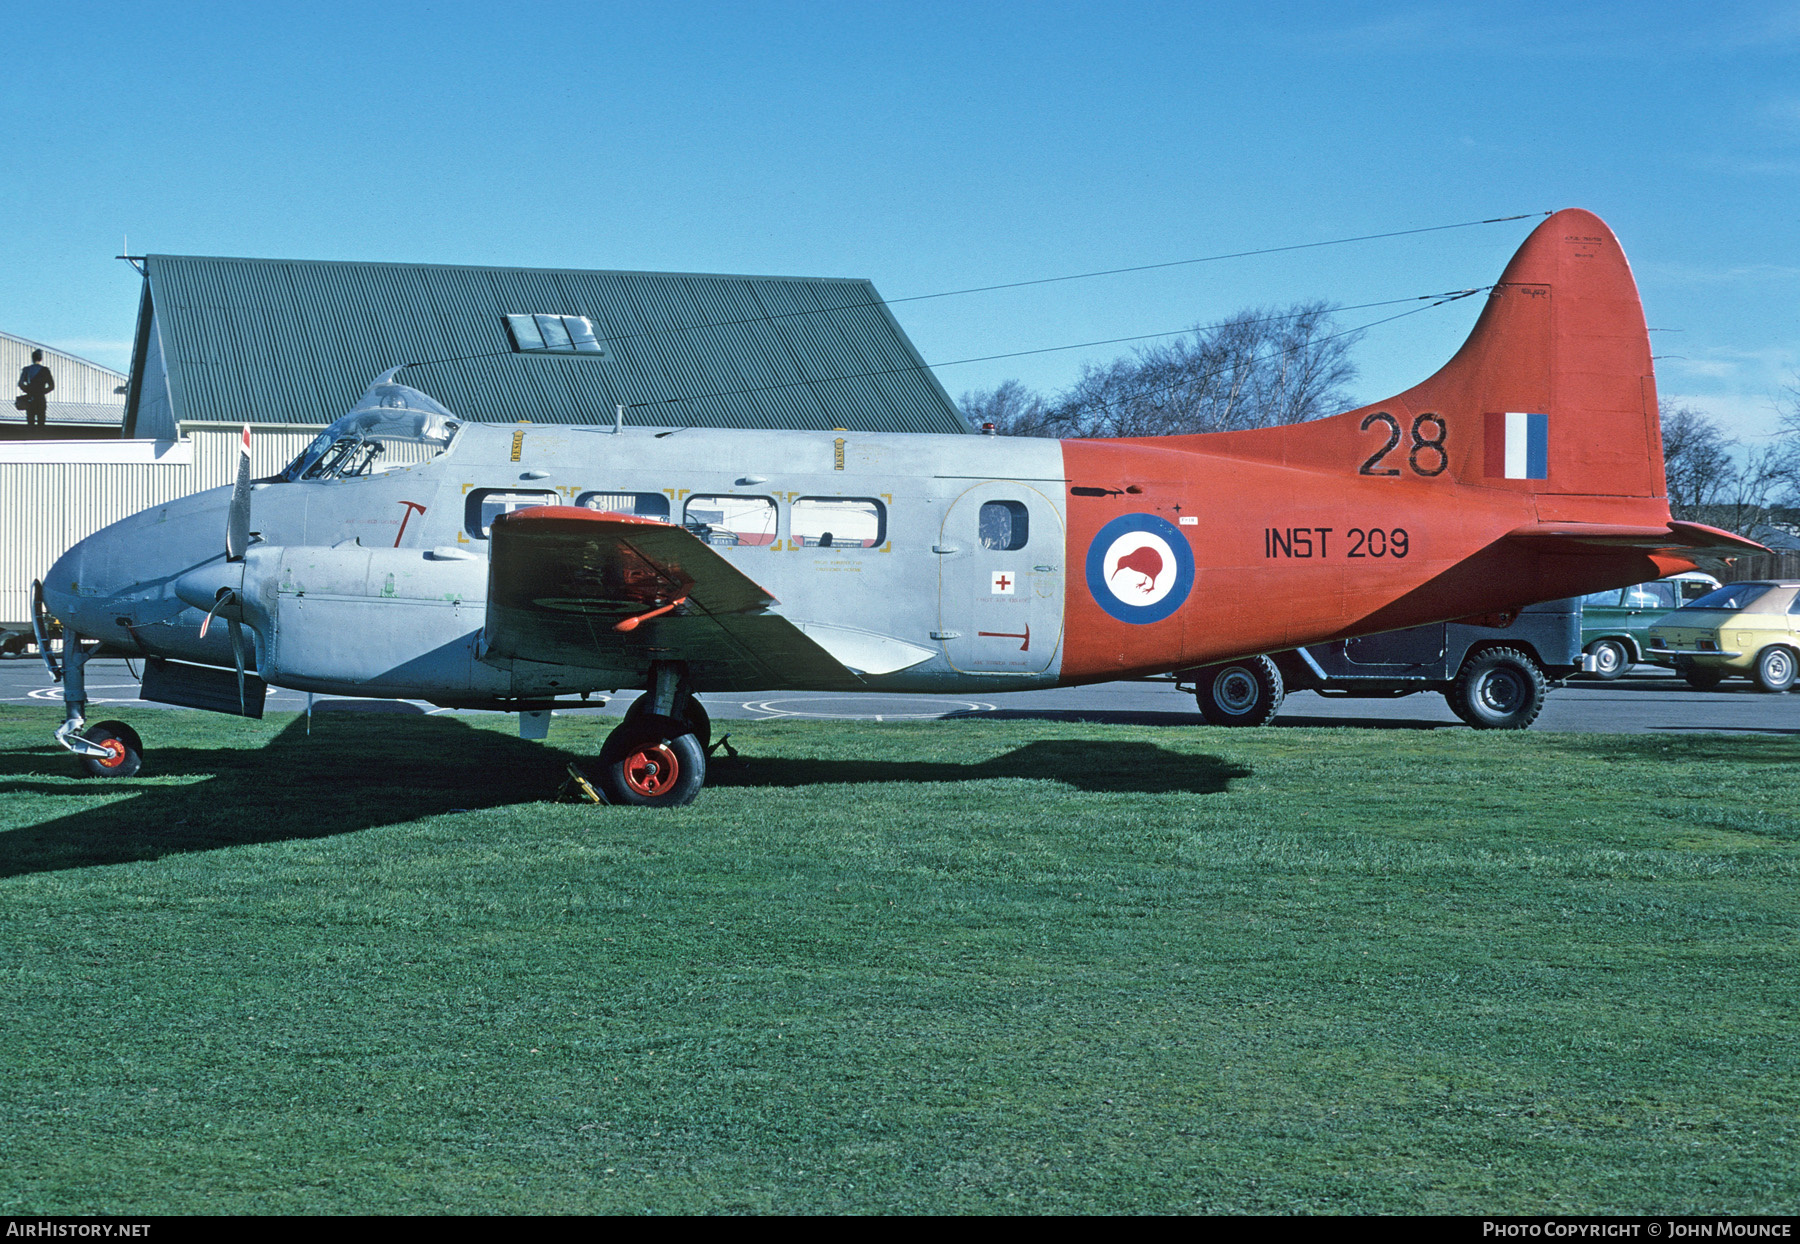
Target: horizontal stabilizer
x,y
573,586
1673,537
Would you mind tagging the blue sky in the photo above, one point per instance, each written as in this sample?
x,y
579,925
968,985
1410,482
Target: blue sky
x,y
931,147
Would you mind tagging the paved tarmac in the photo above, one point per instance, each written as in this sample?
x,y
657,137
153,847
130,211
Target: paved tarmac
x,y
1646,700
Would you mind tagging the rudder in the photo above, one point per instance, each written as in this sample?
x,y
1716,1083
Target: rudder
x,y
1553,392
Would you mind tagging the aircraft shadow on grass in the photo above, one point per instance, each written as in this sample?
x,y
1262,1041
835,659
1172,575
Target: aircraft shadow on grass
x,y
1088,765
1140,717
360,771
365,770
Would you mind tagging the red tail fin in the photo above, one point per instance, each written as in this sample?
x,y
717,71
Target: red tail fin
x,y
1562,337
1552,394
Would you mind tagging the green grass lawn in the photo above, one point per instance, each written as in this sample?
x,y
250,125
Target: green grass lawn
x,y
945,966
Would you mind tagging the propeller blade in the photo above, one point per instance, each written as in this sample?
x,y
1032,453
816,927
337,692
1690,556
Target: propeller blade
x,y
237,521
225,597
237,656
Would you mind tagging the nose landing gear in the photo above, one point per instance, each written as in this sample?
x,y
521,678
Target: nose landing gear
x,y
108,748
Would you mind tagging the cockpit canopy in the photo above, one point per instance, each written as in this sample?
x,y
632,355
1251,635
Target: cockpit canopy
x,y
375,435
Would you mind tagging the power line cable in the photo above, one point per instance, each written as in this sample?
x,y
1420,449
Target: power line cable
x,y
1176,263
770,317
1440,300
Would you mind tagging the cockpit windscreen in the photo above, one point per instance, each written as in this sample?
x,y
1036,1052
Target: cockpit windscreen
x,y
393,425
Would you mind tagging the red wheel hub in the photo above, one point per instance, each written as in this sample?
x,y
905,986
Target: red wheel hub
x,y
652,771
115,754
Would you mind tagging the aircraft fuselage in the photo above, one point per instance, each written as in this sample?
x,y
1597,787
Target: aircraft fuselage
x,y
969,563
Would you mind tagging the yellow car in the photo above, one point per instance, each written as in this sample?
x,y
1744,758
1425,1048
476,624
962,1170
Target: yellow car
x,y
1750,628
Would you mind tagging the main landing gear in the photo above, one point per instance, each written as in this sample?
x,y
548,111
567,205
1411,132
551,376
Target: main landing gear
x,y
656,758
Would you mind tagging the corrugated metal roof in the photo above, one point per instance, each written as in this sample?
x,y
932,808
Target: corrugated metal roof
x,y
112,413
297,341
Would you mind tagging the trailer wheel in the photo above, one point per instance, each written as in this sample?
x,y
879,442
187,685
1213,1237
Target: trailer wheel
x,y
1240,693
1500,689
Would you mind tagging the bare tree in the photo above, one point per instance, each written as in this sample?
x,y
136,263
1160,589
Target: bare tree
x,y
1011,407
1714,479
1696,460
1260,368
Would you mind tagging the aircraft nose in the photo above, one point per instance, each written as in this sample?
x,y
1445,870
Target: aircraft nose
x,y
61,587
122,577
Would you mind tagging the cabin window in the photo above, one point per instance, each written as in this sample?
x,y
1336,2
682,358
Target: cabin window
x,y
555,334
1005,525
637,504
487,504
1598,600
838,523
731,521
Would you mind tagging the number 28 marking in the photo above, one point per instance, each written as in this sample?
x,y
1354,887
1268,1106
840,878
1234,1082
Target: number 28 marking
x,y
1427,455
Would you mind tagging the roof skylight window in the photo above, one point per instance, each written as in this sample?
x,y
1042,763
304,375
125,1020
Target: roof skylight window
x,y
555,334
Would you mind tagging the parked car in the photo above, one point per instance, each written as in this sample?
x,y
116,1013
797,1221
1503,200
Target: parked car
x,y
1494,677
1749,629
1615,625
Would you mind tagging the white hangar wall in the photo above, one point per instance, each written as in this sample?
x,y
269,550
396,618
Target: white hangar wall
x,y
56,493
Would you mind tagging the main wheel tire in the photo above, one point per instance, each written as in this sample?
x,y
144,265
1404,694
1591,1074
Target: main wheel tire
x,y
1240,693
1700,677
1775,668
124,750
652,762
692,712
1500,689
1610,658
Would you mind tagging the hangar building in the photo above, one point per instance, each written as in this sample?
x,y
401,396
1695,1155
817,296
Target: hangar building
x,y
289,345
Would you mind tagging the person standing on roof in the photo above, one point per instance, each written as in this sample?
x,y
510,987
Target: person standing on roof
x,y
37,382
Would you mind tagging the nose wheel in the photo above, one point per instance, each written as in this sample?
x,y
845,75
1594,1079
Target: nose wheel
x,y
121,752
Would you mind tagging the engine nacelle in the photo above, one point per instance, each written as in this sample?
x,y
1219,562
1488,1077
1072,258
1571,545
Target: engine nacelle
x,y
380,622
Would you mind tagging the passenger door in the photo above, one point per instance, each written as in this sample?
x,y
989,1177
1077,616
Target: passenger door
x,y
1000,574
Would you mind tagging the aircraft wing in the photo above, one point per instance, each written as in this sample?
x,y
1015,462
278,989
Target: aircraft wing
x,y
1674,537
565,582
